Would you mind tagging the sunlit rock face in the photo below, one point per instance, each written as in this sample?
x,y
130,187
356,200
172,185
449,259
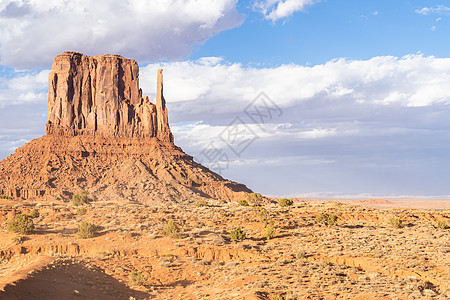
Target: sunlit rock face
x,y
100,95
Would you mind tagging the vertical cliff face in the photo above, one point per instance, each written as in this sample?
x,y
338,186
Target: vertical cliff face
x,y
100,96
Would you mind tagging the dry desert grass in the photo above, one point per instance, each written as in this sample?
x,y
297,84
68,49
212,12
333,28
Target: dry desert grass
x,y
131,256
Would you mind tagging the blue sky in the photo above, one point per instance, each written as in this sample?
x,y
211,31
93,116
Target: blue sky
x,y
361,86
333,29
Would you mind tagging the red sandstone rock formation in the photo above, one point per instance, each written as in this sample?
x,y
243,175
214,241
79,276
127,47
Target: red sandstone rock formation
x,y
100,96
104,137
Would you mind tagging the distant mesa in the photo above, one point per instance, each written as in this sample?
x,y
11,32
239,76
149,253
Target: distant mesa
x,y
373,201
105,137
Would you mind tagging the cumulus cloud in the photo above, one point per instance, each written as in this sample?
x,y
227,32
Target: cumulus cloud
x,y
23,108
35,31
279,9
440,10
218,86
377,125
24,87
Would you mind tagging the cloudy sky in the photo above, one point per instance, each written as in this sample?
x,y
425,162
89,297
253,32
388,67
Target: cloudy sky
x,y
291,97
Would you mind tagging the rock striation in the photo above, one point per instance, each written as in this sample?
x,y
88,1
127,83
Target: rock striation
x,y
100,96
104,137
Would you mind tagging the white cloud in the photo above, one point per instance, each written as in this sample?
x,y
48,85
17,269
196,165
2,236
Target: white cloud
x,y
279,9
35,31
381,125
216,86
220,87
440,10
28,87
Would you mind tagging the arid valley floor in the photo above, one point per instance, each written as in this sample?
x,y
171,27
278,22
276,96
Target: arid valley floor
x,y
361,257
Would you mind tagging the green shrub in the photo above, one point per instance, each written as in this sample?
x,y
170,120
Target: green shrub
x,y
277,297
327,219
172,230
201,203
395,222
81,198
81,211
442,225
264,215
34,213
237,234
137,278
285,202
301,254
270,231
5,197
86,230
243,202
21,223
254,198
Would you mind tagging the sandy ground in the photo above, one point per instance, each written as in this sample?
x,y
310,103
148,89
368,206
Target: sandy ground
x,y
362,256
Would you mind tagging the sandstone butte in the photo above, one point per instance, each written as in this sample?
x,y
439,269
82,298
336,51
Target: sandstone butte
x,y
103,136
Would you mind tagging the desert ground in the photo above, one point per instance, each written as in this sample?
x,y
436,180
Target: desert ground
x,y
362,256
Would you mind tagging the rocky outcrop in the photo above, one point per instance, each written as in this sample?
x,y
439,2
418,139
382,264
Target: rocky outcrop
x,y
104,137
100,96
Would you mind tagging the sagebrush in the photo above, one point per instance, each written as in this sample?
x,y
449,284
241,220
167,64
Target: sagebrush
x,y
172,230
21,223
243,202
270,231
87,230
237,234
136,278
395,222
264,215
285,202
327,219
201,203
301,254
254,198
81,198
81,211
442,225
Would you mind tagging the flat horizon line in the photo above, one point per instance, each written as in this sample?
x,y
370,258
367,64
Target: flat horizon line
x,y
363,196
